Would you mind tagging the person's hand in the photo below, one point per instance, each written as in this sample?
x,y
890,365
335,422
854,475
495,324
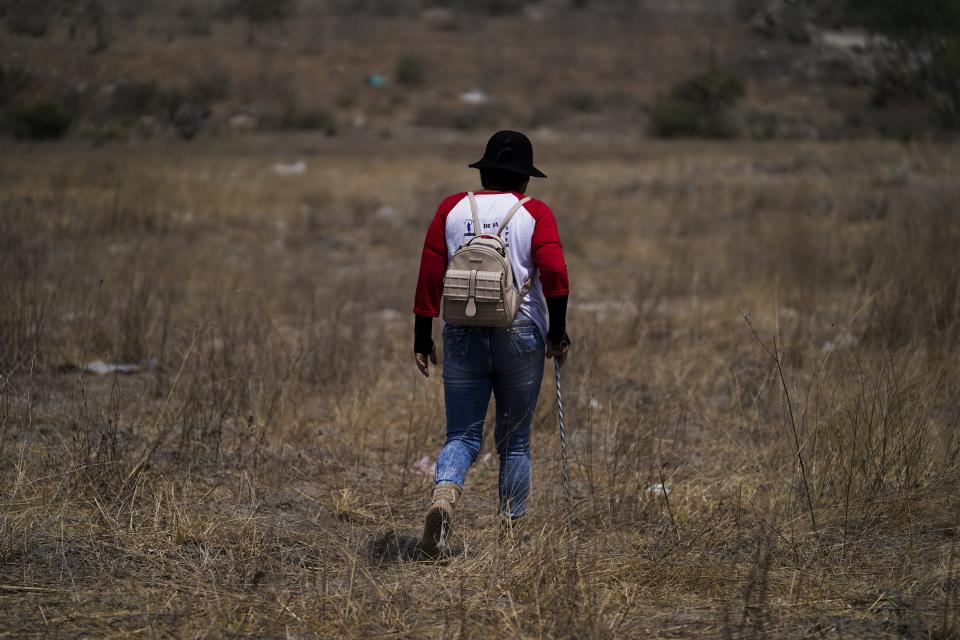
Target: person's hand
x,y
559,349
422,361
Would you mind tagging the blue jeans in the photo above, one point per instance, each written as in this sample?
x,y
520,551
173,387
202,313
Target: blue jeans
x,y
509,363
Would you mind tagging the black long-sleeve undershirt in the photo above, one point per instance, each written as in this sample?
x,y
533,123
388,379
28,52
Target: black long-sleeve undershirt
x,y
423,335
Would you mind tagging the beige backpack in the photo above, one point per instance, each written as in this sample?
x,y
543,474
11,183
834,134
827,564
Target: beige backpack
x,y
478,287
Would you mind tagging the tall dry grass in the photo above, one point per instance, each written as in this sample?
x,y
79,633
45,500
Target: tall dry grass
x,y
264,479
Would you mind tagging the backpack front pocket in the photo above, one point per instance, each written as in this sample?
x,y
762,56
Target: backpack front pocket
x,y
456,285
488,286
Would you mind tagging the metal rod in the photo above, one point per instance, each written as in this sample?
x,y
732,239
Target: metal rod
x,y
568,494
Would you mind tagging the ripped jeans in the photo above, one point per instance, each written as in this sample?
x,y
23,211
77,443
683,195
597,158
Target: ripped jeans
x,y
509,363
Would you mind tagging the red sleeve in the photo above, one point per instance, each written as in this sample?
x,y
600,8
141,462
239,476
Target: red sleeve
x,y
548,251
433,261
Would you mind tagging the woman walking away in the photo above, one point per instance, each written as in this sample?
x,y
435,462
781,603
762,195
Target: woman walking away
x,y
493,264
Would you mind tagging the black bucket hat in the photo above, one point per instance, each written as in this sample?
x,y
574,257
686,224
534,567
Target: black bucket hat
x,y
510,151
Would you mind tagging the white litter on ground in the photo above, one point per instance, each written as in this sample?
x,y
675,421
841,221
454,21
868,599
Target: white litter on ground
x,y
476,97
658,489
292,169
101,368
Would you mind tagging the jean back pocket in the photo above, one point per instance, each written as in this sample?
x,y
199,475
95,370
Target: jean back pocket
x,y
526,339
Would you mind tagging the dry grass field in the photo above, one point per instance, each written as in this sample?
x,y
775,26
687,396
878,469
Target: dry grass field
x,y
769,329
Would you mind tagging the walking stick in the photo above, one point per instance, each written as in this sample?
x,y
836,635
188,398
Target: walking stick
x,y
563,440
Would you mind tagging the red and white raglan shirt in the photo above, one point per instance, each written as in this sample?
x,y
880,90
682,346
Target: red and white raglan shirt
x,y
533,247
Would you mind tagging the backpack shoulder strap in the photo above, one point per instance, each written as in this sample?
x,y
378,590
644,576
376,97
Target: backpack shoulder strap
x,y
513,210
473,212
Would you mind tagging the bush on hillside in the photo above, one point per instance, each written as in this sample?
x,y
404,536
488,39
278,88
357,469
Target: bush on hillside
x,y
462,118
12,81
131,98
483,7
44,120
210,85
410,71
261,11
924,59
186,110
699,107
197,22
103,133
579,101
259,14
29,17
305,120
554,110
496,7
944,79
675,118
94,13
748,9
711,90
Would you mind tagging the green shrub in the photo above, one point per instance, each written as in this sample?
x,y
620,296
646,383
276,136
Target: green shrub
x,y
210,86
12,81
924,61
673,118
546,114
496,7
134,98
29,17
94,14
483,7
261,11
698,107
410,71
106,132
944,79
188,118
748,9
310,120
197,22
462,118
711,90
42,120
579,101
293,118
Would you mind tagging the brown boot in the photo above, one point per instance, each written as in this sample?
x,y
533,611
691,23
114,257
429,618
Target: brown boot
x,y
439,521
